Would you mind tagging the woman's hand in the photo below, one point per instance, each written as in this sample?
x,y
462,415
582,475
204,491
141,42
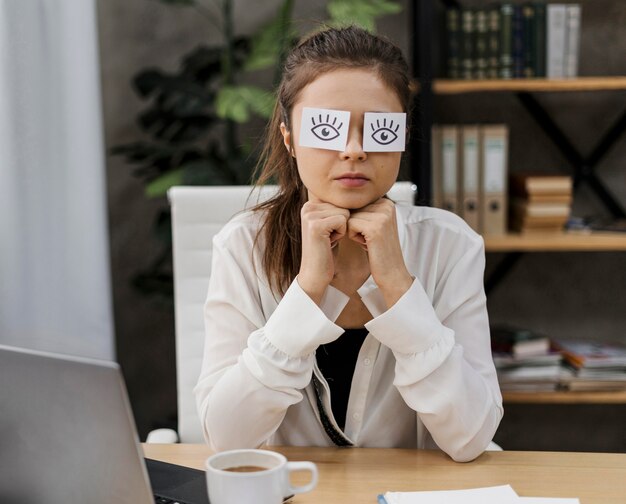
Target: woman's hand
x,y
375,228
323,225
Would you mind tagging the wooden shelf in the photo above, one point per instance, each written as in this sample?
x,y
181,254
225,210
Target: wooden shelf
x,y
557,242
617,397
448,87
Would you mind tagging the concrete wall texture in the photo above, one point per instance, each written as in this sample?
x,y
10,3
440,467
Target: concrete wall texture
x,y
577,295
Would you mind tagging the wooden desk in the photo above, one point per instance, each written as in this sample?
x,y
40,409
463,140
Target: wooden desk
x,y
358,475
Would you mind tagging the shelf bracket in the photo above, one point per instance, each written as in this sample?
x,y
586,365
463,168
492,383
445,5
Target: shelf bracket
x,y
502,269
584,168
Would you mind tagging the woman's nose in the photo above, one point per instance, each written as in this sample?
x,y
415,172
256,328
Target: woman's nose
x,y
354,148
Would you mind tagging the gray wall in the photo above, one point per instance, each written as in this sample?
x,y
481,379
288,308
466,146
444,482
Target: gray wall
x,y
566,295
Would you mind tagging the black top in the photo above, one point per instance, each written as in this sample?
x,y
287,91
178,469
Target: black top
x,y
337,361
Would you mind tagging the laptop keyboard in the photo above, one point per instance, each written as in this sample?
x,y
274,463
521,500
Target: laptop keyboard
x,y
164,500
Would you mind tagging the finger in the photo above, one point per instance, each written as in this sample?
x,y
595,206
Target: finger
x,y
355,232
322,210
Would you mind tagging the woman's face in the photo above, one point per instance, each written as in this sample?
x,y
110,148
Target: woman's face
x,y
351,178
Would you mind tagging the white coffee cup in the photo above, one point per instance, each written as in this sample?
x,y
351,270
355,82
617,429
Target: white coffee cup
x,y
254,476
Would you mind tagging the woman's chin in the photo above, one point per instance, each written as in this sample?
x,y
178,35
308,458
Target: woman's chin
x,y
353,201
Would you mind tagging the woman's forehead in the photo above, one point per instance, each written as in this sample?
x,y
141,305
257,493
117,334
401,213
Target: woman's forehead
x,y
356,89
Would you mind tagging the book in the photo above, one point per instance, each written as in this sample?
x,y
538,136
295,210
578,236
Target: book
x,y
493,42
592,224
525,224
556,29
592,354
470,176
572,46
453,43
529,40
517,43
608,224
506,41
534,183
450,152
518,342
494,154
468,44
540,39
521,206
564,199
506,360
480,44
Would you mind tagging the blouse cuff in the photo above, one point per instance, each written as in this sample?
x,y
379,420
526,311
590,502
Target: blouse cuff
x,y
287,330
410,326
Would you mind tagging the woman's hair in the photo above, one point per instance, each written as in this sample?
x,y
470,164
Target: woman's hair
x,y
317,54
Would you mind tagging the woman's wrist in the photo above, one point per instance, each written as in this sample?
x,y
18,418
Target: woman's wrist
x,y
394,288
314,289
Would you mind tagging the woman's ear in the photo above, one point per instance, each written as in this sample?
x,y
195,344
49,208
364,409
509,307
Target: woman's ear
x,y
287,138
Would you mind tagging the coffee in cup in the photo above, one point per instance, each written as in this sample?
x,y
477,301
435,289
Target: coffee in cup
x,y
255,476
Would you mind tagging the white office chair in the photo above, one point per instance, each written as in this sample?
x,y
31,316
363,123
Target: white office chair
x,y
198,213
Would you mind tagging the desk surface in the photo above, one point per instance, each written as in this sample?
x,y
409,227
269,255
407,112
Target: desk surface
x,y
357,475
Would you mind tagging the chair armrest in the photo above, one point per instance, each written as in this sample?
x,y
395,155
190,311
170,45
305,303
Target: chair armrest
x,y
162,436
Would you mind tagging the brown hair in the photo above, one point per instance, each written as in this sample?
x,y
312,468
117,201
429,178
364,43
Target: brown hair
x,y
322,52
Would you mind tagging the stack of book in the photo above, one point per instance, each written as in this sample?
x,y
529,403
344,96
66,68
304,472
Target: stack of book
x,y
539,202
595,366
526,361
513,40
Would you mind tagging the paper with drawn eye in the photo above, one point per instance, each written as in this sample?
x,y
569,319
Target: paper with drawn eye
x,y
324,128
384,131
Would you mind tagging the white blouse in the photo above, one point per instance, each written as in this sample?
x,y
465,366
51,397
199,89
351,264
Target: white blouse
x,y
424,376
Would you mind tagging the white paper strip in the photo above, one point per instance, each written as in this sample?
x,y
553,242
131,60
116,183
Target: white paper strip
x,y
384,132
324,128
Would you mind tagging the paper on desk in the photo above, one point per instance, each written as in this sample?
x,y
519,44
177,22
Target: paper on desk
x,y
503,494
547,500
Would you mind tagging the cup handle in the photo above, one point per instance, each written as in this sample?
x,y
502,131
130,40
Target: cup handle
x,y
301,466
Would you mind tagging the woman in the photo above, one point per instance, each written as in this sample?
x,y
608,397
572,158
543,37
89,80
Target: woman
x,y
335,317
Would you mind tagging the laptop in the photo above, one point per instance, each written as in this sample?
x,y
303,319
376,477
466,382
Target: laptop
x,y
67,435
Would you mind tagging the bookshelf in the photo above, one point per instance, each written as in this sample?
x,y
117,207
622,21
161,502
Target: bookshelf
x,y
514,246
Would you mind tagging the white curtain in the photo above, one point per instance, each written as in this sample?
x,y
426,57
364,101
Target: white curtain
x,y
54,259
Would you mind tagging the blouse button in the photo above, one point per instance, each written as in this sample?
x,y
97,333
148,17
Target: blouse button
x,y
367,361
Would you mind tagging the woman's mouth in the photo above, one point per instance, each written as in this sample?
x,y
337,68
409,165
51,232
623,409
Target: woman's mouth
x,y
352,180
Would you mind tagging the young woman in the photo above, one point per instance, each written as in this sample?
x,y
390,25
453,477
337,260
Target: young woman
x,y
335,317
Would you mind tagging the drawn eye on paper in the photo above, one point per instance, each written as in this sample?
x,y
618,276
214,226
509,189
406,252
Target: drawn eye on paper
x,y
384,132
324,128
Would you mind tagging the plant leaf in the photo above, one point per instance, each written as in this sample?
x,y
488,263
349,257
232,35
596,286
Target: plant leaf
x,y
160,185
207,171
238,102
267,44
360,12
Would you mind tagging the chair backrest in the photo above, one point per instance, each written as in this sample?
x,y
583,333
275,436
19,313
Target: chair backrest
x,y
198,213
